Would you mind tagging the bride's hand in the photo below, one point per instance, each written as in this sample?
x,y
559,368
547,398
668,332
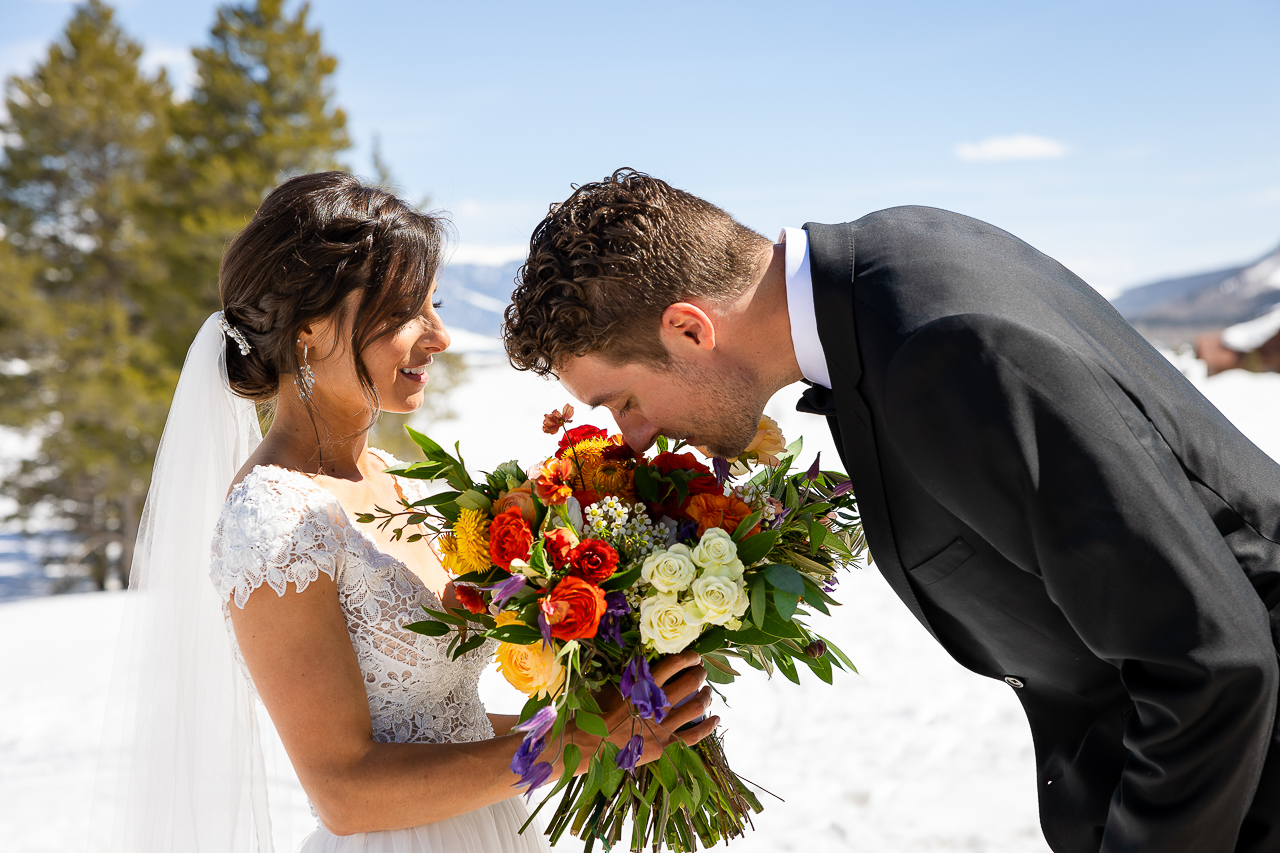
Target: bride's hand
x,y
680,676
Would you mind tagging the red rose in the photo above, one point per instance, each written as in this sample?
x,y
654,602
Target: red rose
x,y
470,598
593,561
576,435
558,543
703,482
573,609
509,538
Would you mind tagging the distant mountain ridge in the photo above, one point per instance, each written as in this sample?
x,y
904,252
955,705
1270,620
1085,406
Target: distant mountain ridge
x,y
1173,311
474,296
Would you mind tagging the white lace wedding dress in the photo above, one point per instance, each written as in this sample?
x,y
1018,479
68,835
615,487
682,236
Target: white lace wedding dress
x,y
278,527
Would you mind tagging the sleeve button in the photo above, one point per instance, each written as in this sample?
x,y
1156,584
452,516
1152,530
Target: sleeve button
x,y
1012,682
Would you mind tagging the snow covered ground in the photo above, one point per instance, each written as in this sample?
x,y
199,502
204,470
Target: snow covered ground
x,y
913,754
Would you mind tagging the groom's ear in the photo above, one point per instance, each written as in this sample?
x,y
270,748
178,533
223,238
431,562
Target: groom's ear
x,y
685,324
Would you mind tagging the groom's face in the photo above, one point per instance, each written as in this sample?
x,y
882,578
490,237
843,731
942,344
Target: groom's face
x,y
712,407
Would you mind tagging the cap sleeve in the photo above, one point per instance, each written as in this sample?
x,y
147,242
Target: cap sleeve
x,y
277,528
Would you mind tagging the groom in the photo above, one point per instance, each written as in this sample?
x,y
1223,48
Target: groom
x,y
1054,502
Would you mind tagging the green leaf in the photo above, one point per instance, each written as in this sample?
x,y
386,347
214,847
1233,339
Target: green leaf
x,y
785,578
472,499
821,667
749,635
520,635
786,603
473,642
666,770
817,534
782,628
437,499
720,664
787,667
591,724
711,640
813,597
758,592
622,580
430,628
663,444
570,757
834,649
611,774
744,527
446,617
755,548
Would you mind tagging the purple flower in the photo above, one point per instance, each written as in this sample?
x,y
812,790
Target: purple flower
x,y
781,516
638,686
842,488
539,724
545,628
830,584
628,756
611,622
526,755
721,469
814,470
687,530
538,774
506,589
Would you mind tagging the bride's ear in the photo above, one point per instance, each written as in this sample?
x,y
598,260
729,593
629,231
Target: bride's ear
x,y
685,325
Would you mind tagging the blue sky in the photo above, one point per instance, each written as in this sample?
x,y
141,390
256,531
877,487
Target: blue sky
x,y
1130,140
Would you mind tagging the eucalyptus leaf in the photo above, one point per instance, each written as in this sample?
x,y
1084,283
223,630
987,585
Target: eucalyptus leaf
x,y
755,548
758,592
786,603
785,578
744,527
430,628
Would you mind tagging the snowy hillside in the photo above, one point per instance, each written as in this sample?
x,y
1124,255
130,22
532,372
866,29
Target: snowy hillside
x,y
853,761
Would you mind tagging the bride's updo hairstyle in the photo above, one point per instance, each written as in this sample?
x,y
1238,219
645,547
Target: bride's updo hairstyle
x,y
315,240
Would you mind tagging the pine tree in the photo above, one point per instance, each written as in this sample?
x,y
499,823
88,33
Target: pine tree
x,y
261,113
76,327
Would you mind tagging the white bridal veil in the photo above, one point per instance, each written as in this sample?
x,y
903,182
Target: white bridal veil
x,y
188,772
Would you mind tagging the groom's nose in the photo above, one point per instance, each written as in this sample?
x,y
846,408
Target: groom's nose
x,y
637,431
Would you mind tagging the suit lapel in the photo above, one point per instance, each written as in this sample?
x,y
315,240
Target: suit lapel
x,y
831,256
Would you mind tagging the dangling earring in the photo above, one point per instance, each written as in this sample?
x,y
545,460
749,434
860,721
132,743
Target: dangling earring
x,y
306,378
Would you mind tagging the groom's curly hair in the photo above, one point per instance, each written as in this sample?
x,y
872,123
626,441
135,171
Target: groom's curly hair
x,y
605,263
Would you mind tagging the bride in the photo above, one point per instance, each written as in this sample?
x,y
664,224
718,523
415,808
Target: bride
x,y
327,312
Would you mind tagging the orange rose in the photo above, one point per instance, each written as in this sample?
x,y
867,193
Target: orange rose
x,y
718,511
509,538
521,497
573,609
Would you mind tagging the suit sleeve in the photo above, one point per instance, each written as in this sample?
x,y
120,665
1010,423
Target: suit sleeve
x,y
1043,455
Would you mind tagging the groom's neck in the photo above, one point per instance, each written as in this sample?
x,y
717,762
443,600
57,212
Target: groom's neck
x,y
760,326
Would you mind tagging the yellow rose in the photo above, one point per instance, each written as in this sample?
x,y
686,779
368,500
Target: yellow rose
x,y
768,442
531,669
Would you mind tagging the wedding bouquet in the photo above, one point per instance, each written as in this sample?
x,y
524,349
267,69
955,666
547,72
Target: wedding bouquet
x,y
599,560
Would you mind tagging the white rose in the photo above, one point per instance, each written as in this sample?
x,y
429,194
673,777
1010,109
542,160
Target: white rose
x,y
671,570
720,598
717,549
667,625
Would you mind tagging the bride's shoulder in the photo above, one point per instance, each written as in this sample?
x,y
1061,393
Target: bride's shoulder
x,y
276,526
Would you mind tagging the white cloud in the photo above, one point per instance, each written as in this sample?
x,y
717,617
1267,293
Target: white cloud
x,y
1019,146
488,255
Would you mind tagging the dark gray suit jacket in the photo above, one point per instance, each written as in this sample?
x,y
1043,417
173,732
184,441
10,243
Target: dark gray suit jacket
x,y
1063,510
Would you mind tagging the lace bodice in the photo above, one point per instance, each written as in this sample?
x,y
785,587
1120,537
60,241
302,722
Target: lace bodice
x,y
279,527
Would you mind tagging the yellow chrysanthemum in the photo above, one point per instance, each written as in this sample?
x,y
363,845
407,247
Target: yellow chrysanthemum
x,y
447,545
588,451
471,541
613,478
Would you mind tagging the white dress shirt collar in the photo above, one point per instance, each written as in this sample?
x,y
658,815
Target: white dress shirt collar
x,y
804,319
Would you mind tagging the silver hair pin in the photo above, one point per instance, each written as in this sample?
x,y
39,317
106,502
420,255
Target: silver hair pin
x,y
235,334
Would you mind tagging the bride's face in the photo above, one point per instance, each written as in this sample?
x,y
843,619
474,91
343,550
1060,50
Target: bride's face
x,y
397,363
